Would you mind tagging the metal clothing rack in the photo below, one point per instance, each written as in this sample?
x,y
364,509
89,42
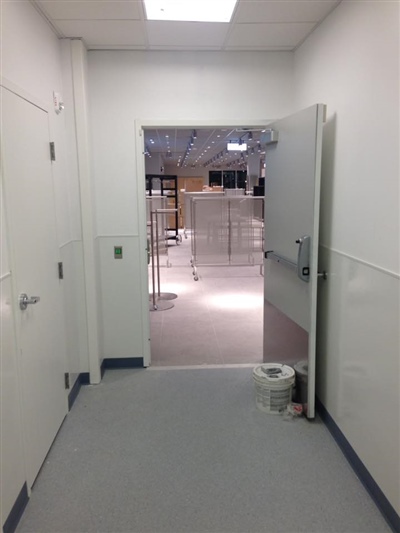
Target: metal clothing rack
x,y
227,231
154,203
188,206
164,185
159,301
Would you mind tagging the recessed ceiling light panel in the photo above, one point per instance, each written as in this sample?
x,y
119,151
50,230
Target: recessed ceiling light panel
x,y
190,10
232,146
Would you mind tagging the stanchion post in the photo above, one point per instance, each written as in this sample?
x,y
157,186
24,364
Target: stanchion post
x,y
158,257
152,258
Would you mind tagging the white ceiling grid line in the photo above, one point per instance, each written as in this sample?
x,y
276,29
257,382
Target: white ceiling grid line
x,y
263,25
121,24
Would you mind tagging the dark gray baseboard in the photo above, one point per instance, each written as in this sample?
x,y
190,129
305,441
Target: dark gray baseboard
x,y
123,362
383,504
82,379
16,512
11,523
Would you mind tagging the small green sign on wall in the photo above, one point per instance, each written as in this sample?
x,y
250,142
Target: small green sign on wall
x,y
117,252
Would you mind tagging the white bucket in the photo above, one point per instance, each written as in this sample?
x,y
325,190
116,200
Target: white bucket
x,y
273,383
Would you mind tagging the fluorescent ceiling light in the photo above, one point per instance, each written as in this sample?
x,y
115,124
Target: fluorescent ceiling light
x,y
190,10
232,146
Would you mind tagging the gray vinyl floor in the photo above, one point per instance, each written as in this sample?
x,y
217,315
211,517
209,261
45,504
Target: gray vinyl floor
x,y
186,450
215,320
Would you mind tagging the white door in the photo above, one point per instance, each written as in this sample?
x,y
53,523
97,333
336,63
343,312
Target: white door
x,y
292,196
30,212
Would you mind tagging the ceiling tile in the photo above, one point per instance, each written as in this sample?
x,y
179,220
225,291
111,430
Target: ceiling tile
x,y
102,32
120,24
268,35
186,34
283,10
92,9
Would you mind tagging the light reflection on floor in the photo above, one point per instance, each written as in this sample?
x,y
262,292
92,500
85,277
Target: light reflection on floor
x,y
215,320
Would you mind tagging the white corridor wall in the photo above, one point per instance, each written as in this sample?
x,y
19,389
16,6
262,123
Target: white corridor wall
x,y
351,63
33,60
32,63
125,86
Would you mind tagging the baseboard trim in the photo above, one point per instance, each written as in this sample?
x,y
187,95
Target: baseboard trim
x,y
383,504
123,362
10,525
82,379
73,393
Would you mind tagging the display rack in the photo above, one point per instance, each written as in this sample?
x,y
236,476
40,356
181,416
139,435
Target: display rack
x,y
188,207
227,232
161,184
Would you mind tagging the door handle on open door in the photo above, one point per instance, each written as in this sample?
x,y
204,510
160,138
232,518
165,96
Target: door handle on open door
x,y
303,258
24,300
302,267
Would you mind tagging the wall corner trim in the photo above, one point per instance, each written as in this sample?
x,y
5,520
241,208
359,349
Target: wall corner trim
x,y
79,82
383,504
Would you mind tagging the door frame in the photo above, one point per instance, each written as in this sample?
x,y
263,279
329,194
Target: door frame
x,y
140,125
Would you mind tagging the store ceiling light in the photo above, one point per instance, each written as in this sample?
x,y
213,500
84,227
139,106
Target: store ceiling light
x,y
233,145
190,10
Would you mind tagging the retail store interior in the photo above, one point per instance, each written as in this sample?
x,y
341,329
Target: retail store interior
x,y
210,281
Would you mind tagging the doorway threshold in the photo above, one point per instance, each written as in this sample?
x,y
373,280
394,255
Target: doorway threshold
x,y
202,367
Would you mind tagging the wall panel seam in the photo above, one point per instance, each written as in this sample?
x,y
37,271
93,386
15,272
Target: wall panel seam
x,y
362,262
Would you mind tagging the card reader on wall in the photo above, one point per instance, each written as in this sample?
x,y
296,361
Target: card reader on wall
x,y
117,252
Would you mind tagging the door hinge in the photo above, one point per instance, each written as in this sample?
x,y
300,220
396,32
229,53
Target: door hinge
x,y
66,380
60,271
52,151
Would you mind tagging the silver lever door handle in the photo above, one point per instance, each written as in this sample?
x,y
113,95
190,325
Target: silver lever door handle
x,y
24,300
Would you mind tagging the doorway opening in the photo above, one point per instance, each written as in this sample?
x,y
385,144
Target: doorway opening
x,y
291,242
195,186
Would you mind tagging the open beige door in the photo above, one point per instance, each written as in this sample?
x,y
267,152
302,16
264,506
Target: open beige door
x,y
292,198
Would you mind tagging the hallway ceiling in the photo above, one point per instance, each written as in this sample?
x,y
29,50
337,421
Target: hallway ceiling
x,y
209,148
121,25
